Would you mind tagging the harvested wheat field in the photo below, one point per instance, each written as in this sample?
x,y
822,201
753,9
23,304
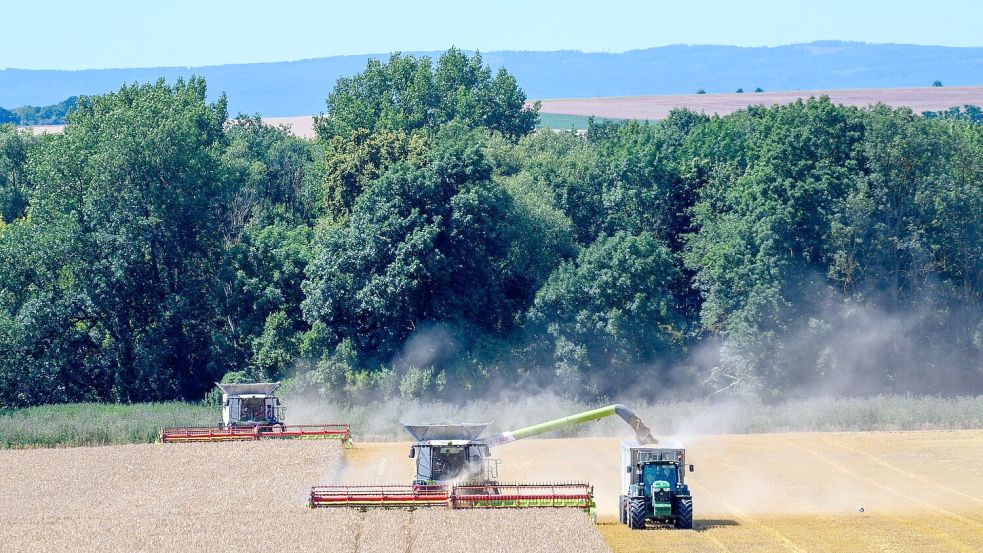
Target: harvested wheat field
x,y
769,492
920,491
247,496
919,99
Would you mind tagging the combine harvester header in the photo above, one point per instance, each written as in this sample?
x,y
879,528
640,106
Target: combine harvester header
x,y
454,469
252,412
466,496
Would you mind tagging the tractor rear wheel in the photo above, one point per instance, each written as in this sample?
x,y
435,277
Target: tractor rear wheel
x,y
637,513
622,509
684,513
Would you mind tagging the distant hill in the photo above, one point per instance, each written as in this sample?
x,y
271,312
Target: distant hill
x,y
299,87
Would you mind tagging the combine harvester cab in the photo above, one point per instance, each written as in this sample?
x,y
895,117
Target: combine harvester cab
x,y
253,412
454,469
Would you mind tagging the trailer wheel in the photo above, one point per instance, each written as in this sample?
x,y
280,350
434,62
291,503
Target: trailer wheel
x,y
622,509
637,512
684,514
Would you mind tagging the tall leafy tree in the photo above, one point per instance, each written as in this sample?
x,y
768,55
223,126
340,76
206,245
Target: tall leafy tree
x,y
434,244
134,187
15,190
408,93
611,314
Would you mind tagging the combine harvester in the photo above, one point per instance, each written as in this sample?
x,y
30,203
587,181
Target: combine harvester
x,y
252,412
454,469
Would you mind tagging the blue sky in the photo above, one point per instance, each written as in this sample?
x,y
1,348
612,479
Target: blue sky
x,y
99,34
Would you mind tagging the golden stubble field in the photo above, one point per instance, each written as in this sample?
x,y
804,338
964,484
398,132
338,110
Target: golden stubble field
x,y
920,491
242,497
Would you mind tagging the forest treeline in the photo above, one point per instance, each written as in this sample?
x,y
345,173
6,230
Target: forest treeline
x,y
54,114
430,243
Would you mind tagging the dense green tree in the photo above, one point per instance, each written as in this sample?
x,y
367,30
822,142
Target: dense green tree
x,y
408,93
132,189
611,314
811,239
266,168
263,294
566,168
762,221
14,187
348,162
428,244
968,112
439,243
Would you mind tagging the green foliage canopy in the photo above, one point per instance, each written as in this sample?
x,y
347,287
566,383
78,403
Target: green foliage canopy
x,y
407,93
428,243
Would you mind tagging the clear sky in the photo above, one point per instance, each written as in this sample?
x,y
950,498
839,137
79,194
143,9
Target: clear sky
x,y
83,34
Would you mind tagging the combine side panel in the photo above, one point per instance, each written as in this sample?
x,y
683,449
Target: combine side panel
x,y
379,497
494,496
206,434
307,431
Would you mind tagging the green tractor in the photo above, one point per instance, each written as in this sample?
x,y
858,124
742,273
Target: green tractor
x,y
653,487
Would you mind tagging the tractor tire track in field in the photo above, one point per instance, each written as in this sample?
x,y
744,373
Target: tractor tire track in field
x,y
939,535
907,473
744,517
755,523
926,530
716,543
890,489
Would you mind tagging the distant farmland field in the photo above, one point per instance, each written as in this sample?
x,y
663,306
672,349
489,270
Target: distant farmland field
x,y
575,112
658,107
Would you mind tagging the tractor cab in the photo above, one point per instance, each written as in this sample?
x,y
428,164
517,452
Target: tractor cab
x,y
247,405
644,466
448,452
659,474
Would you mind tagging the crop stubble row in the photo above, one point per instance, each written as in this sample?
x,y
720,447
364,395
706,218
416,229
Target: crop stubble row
x,y
248,496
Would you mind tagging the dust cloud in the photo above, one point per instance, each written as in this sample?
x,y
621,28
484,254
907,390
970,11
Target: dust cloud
x,y
741,476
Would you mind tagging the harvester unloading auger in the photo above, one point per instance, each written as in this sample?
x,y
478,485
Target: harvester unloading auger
x,y
454,469
252,412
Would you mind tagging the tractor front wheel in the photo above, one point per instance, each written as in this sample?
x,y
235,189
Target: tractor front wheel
x,y
637,512
622,509
684,514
